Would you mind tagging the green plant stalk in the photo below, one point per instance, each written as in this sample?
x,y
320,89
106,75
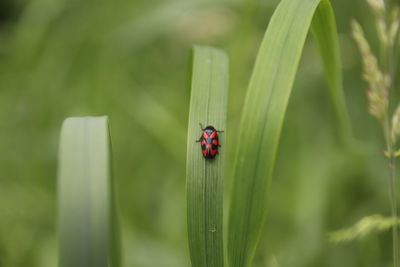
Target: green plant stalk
x,y
390,146
393,197
389,67
204,177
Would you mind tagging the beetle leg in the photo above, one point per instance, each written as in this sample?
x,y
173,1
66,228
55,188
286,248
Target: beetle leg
x,y
220,131
200,139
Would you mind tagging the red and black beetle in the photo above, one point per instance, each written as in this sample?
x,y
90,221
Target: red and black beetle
x,y
209,141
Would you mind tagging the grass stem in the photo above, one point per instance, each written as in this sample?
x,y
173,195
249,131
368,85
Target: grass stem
x,y
393,199
392,188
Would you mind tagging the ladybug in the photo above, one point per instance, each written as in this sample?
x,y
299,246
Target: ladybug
x,y
209,141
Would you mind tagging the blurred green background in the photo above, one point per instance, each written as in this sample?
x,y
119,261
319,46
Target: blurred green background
x,y
131,60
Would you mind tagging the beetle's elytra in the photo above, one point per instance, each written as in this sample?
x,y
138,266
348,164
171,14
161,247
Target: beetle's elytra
x,y
209,142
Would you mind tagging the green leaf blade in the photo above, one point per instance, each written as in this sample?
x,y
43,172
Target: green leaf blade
x,y
262,119
324,31
87,228
208,104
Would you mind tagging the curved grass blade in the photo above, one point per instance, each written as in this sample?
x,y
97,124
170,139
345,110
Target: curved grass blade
x,y
87,223
208,105
324,31
263,114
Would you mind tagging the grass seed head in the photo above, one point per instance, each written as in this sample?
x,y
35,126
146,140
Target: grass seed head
x,y
379,83
394,25
396,124
377,6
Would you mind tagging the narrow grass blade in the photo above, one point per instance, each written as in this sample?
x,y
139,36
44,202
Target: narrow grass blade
x,y
324,31
87,228
262,118
208,103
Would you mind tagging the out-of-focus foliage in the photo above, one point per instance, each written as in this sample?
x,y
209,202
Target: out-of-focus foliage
x,y
87,224
129,60
364,227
